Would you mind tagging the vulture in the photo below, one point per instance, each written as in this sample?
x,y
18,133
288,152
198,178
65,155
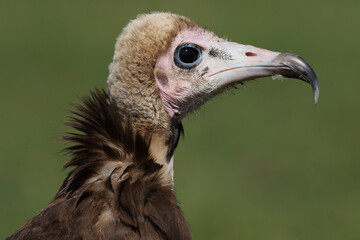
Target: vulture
x,y
122,150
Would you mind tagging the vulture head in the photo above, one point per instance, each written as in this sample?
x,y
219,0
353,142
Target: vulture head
x,y
165,66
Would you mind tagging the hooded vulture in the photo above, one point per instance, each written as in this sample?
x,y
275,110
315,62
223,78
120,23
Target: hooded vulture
x,y
121,186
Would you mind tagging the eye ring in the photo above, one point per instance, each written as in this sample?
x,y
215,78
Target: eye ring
x,y
187,56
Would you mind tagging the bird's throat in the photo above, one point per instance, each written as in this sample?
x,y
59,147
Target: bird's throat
x,y
159,150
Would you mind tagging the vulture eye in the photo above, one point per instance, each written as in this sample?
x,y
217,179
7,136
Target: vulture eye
x,y
187,56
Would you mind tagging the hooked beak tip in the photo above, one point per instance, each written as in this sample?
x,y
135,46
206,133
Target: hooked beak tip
x,y
316,94
295,66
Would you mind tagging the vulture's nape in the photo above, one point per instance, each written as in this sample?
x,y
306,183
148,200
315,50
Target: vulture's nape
x,y
121,187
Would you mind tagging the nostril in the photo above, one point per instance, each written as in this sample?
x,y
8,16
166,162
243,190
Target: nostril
x,y
250,54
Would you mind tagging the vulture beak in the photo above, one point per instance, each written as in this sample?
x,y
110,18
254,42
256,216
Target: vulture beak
x,y
239,63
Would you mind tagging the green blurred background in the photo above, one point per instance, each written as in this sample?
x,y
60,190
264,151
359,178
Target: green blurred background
x,y
259,163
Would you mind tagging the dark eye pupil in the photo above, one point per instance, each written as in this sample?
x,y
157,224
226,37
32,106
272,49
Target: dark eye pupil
x,y
188,54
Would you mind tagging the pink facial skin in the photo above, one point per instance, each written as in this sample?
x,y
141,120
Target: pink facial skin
x,y
175,84
184,90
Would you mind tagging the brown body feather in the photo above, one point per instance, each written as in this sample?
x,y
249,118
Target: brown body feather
x,y
116,190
